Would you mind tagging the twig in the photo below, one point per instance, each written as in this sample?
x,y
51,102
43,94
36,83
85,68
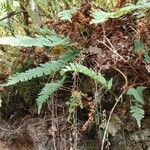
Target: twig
x,y
107,125
112,49
125,78
53,124
25,17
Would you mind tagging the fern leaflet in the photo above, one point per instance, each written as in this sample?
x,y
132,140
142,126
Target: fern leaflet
x,y
48,90
138,113
67,14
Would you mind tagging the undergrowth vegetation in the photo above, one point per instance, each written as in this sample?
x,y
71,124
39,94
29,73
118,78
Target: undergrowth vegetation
x,y
92,60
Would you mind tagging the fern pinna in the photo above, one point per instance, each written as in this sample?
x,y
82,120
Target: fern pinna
x,y
137,100
48,90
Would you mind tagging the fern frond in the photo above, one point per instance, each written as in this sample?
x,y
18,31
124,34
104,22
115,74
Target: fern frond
x,y
27,41
48,90
137,113
78,68
44,69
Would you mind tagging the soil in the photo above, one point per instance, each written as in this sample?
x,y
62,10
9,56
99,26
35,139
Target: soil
x,y
14,146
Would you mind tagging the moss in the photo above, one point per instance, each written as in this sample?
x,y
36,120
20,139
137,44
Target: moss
x,y
18,99
29,90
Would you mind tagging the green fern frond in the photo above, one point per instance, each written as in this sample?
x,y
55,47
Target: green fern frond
x,y
48,90
27,41
44,69
137,113
78,68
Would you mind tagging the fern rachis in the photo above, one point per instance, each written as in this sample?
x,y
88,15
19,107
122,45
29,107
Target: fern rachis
x,y
78,68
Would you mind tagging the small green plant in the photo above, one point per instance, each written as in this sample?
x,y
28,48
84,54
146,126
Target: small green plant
x,y
74,102
137,113
137,103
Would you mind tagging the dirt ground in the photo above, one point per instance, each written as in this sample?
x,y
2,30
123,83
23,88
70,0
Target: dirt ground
x,y
5,146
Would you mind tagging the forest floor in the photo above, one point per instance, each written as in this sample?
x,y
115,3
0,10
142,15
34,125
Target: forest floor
x,y
108,48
